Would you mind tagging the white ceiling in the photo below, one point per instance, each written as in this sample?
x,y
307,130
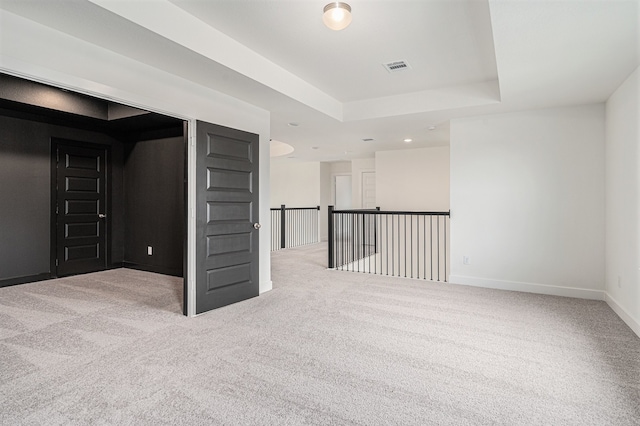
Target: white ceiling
x,y
467,58
347,65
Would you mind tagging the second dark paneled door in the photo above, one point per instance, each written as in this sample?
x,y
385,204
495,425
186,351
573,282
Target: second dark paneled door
x,y
80,206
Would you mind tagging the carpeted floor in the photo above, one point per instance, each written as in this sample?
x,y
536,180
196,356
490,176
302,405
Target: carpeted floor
x,y
324,347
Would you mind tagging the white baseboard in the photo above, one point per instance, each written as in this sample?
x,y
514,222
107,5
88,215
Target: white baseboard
x,y
579,293
632,322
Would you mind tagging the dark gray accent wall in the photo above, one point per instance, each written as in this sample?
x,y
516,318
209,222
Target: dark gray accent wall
x,y
25,186
154,204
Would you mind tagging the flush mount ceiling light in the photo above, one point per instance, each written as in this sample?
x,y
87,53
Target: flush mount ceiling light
x,y
337,15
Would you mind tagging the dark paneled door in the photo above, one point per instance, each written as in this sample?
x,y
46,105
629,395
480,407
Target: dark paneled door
x,y
227,227
80,209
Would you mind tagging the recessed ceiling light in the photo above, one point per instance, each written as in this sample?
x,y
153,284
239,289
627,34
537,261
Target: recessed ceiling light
x,y
314,147
431,127
408,140
367,140
292,124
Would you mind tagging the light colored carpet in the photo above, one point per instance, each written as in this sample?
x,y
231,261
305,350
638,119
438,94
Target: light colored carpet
x,y
324,347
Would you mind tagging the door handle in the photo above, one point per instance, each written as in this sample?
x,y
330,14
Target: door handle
x,y
102,216
257,225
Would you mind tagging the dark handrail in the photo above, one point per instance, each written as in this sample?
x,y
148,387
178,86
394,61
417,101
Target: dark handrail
x,y
377,211
295,208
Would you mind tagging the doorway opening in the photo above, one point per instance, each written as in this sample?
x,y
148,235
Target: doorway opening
x,y
116,192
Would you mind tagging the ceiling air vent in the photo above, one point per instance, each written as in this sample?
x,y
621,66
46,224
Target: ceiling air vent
x,y
396,66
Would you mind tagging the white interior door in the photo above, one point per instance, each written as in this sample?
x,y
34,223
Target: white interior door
x,y
343,192
368,190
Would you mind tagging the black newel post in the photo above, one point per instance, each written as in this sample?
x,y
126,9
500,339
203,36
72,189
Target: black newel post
x,y
330,233
375,233
283,224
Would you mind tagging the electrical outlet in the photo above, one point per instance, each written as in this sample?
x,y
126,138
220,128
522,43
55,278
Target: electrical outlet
x,y
149,250
465,260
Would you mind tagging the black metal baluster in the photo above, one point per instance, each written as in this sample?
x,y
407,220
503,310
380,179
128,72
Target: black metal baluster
x,y
393,246
338,247
438,248
404,239
431,243
283,241
411,246
345,238
399,242
424,244
372,218
350,247
445,248
386,241
339,239
357,242
418,245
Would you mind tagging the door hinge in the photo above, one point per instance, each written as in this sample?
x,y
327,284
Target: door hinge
x,y
57,209
56,262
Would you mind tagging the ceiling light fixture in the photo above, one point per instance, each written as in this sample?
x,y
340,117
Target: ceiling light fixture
x,y
337,15
408,140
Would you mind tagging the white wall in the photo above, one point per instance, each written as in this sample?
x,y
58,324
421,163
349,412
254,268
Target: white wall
x,y
413,179
527,201
75,64
357,167
623,195
294,183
